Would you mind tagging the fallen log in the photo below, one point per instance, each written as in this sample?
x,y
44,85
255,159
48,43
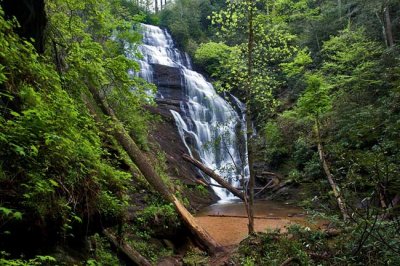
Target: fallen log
x,y
265,187
317,256
214,176
206,184
201,182
279,176
130,252
291,261
284,184
147,169
332,232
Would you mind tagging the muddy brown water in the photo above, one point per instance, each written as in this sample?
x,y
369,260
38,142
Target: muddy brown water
x,y
227,222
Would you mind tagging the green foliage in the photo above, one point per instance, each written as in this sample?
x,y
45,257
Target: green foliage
x,y
202,190
316,100
297,67
355,245
195,257
270,249
6,213
187,22
55,168
163,215
272,44
101,253
275,142
211,56
38,260
352,61
318,63
140,238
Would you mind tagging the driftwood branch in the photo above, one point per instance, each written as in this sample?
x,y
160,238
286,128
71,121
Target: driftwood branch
x,y
131,253
214,176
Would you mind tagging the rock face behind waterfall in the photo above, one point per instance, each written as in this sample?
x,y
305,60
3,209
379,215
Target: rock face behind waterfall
x,y
165,134
198,120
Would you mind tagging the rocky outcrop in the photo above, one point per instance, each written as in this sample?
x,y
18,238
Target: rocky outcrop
x,y
166,136
168,81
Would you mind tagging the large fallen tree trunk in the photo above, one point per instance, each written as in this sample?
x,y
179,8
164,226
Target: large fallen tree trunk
x,y
148,171
214,176
131,253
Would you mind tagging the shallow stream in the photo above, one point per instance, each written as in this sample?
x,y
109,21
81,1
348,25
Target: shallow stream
x,y
227,222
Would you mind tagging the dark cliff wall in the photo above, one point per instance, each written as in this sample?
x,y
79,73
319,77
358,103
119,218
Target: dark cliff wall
x,y
31,16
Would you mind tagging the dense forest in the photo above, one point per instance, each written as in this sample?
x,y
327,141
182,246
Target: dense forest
x,y
94,164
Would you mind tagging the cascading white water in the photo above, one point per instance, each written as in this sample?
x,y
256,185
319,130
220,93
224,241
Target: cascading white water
x,y
211,124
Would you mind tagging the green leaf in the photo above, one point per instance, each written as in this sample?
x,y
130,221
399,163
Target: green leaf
x,y
6,211
17,215
53,183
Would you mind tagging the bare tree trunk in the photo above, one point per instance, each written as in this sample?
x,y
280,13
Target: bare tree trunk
x,y
388,22
141,161
156,6
131,253
334,186
395,201
250,44
383,28
214,176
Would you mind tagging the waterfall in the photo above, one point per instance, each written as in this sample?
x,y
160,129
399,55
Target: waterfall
x,y
208,125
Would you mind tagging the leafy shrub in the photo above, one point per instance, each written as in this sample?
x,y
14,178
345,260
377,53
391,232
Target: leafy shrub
x,y
211,55
101,252
38,260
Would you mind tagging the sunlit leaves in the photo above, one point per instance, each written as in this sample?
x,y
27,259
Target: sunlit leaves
x,y
316,100
352,60
273,45
298,65
211,55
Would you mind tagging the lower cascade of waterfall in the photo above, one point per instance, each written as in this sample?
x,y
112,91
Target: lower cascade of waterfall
x,y
210,128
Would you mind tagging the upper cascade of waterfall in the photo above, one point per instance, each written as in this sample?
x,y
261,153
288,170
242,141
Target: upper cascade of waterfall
x,y
207,123
158,48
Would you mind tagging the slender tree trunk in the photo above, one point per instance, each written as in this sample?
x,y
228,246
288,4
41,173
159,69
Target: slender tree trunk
x,y
334,186
250,45
382,199
156,6
388,22
383,28
148,171
214,176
